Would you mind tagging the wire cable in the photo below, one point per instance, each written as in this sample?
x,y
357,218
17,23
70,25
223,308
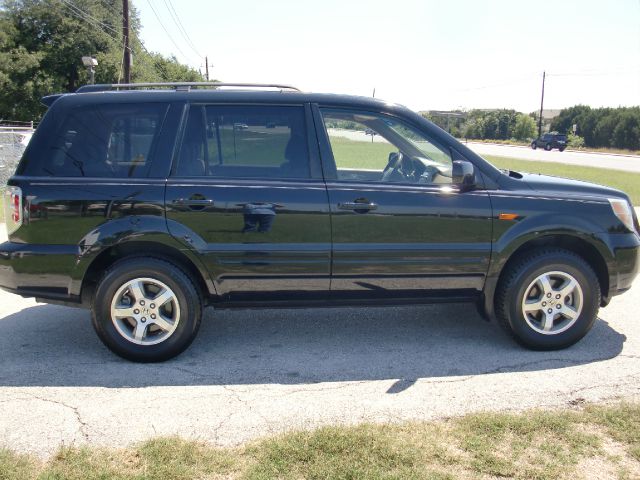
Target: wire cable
x,y
181,29
166,31
88,17
107,5
600,73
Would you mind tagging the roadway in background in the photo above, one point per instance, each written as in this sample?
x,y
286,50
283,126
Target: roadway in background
x,y
627,163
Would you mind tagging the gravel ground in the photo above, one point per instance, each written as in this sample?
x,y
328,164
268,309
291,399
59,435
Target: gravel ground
x,y
254,373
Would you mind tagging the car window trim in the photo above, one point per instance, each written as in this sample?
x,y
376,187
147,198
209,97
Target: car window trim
x,y
312,154
330,168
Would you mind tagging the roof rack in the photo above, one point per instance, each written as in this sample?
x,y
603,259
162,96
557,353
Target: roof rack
x,y
179,86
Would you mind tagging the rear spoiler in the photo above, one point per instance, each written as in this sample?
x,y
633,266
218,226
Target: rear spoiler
x,y
50,99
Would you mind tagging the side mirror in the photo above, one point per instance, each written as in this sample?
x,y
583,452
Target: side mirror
x,y
464,175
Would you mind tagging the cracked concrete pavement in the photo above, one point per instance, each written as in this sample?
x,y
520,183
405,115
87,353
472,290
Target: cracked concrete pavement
x,y
254,373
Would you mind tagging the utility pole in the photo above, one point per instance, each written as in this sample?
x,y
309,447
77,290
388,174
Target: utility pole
x,y
125,35
541,105
206,67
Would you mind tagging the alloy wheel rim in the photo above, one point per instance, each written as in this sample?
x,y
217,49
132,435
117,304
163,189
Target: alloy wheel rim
x,y
552,302
145,311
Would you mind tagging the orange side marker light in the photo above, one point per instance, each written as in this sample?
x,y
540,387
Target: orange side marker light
x,y
508,216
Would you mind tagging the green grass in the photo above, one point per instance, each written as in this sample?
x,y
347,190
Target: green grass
x,y
626,181
238,147
356,154
622,423
536,444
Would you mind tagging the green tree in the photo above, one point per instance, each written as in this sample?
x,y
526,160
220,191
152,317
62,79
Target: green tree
x,y
602,127
626,133
564,122
42,42
525,127
603,131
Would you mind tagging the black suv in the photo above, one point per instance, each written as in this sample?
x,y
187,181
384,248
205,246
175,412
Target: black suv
x,y
149,205
549,141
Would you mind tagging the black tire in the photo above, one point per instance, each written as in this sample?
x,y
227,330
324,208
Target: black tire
x,y
547,147
517,279
562,149
188,313
534,146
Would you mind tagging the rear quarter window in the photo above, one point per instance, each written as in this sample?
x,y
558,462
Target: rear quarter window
x,y
258,141
102,140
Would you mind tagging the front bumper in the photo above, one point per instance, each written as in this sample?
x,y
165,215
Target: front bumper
x,y
626,263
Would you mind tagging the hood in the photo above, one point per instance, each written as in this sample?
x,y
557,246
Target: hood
x,y
565,186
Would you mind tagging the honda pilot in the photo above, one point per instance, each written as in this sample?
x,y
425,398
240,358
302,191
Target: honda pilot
x,y
147,203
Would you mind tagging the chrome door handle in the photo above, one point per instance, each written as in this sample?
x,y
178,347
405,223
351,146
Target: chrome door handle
x,y
357,206
192,202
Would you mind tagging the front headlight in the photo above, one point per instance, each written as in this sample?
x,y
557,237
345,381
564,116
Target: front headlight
x,y
623,211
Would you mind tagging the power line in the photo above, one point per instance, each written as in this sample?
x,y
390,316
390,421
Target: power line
x,y
106,4
94,22
601,73
89,20
503,84
87,17
166,31
181,29
158,65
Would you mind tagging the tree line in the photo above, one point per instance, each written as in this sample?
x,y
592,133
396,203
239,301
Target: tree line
x,y
486,124
42,43
602,127
595,127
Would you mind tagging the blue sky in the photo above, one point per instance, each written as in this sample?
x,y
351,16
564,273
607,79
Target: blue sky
x,y
424,54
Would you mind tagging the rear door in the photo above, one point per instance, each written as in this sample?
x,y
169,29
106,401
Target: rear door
x,y
400,229
247,193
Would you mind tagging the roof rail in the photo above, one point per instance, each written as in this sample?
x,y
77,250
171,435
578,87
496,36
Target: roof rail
x,y
181,86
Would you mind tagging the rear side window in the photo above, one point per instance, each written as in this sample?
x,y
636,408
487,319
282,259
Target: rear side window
x,y
105,140
244,142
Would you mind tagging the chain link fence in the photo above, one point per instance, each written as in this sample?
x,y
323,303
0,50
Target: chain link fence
x,y
13,141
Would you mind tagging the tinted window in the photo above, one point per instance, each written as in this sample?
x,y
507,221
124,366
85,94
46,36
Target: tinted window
x,y
378,148
114,140
250,142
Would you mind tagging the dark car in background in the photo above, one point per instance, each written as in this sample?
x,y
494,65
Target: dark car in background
x,y
549,141
146,206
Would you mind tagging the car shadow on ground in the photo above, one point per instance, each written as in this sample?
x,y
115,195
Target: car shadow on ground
x,y
48,345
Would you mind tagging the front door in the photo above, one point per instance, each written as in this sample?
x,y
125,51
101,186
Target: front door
x,y
247,194
400,229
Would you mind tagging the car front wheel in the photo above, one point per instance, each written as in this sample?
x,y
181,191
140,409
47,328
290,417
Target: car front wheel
x,y
534,146
146,309
548,299
547,146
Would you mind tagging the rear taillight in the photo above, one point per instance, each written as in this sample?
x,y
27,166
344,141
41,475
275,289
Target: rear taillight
x,y
15,203
13,208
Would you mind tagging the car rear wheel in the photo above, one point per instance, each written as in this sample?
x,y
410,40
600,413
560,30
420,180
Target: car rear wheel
x,y
146,309
547,146
534,146
548,299
562,149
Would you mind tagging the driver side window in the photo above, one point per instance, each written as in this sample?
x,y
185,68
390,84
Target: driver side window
x,y
369,147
